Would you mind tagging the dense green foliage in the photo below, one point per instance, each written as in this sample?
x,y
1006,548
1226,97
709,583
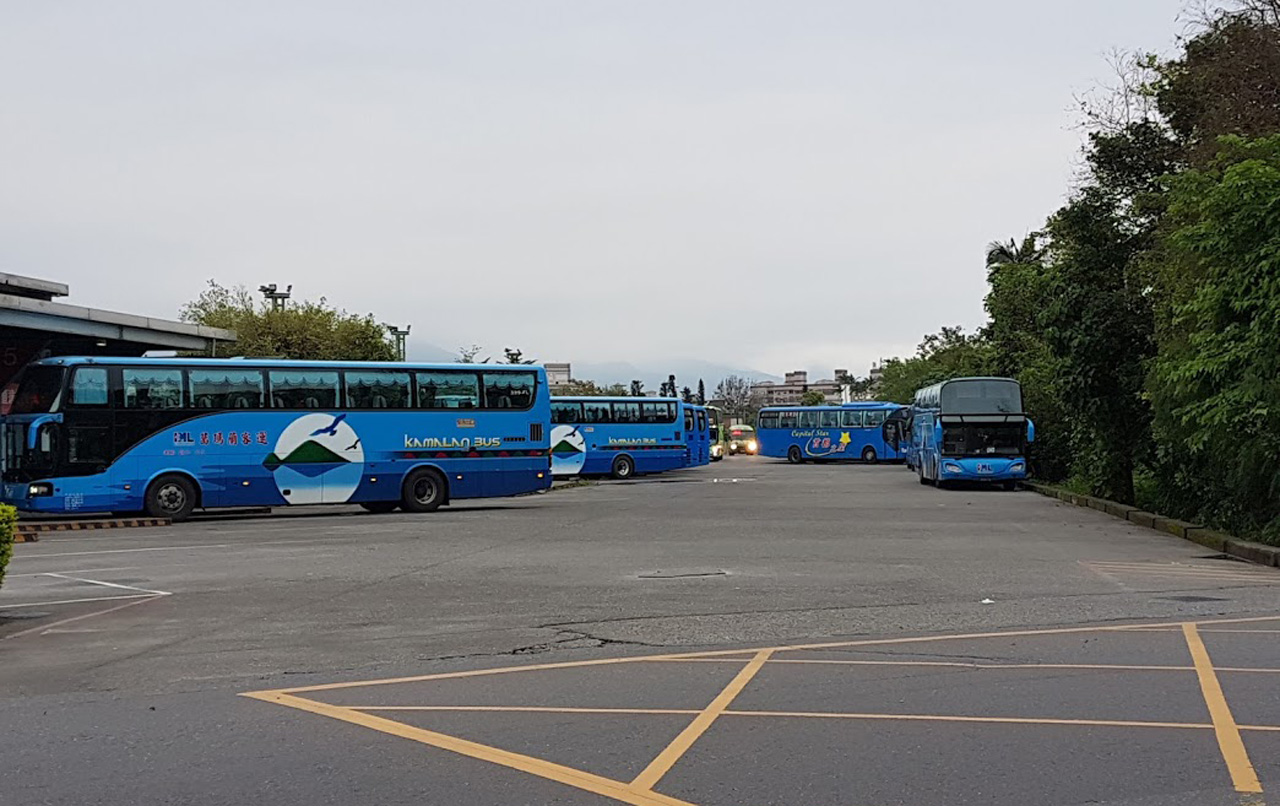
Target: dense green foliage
x,y
1144,319
302,330
8,519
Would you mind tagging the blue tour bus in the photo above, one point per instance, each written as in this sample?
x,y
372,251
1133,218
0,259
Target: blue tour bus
x,y
616,436
697,431
970,429
168,435
853,431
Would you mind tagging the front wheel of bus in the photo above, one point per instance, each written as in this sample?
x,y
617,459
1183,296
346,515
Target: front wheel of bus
x,y
623,468
172,497
423,491
794,456
869,455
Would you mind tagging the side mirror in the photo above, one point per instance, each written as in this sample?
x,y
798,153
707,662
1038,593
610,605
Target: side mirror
x,y
1031,431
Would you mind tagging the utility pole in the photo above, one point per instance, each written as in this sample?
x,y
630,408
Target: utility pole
x,y
276,298
400,336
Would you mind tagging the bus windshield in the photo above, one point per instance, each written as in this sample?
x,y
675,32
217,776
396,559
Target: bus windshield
x,y
38,391
982,396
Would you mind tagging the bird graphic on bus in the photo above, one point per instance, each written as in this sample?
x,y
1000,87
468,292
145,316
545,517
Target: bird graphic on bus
x,y
331,429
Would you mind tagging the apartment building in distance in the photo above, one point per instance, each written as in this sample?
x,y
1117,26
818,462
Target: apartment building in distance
x,y
795,384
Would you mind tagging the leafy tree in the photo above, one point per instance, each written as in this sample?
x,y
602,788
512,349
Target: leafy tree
x,y
702,393
312,330
812,397
668,387
1215,384
467,355
615,390
949,353
637,388
514,356
739,401
1000,253
686,394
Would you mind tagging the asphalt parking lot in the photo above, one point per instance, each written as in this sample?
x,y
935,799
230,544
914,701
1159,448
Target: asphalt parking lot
x,y
745,633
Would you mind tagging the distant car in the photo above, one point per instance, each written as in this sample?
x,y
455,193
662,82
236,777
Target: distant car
x,y
742,439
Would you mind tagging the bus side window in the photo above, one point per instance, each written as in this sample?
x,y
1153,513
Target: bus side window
x,y
89,387
566,413
152,388
598,413
626,412
304,389
830,419
688,419
874,418
808,419
768,419
448,389
379,389
509,390
225,388
787,419
851,419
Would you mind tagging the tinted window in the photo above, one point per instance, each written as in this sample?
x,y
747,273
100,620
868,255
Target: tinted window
x,y
562,413
874,419
982,397
626,412
152,388
830,419
600,412
702,420
509,390
38,390
448,390
787,419
89,386
658,412
851,419
808,419
304,389
768,419
225,388
379,389
688,419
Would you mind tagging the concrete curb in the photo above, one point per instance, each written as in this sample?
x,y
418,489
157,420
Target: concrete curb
x,y
28,532
1209,538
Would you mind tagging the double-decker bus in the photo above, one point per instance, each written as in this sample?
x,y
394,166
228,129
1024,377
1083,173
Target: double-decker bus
x,y
970,429
851,432
617,436
167,436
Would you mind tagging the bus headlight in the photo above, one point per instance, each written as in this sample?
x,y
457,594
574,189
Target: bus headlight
x,y
950,467
1017,467
39,489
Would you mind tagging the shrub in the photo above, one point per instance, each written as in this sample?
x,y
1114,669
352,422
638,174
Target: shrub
x,y
8,518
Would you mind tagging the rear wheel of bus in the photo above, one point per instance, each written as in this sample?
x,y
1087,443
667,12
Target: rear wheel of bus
x,y
869,455
794,456
423,491
623,468
172,496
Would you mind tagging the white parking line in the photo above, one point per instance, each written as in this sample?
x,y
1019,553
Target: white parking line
x,y
140,593
110,584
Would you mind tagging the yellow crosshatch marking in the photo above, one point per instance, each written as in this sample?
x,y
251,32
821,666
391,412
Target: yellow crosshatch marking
x,y
642,790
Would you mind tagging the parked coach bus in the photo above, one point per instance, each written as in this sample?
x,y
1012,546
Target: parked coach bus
x,y
697,433
166,436
617,436
854,431
970,429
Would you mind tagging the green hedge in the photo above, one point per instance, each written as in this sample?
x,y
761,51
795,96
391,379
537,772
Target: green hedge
x,y
8,517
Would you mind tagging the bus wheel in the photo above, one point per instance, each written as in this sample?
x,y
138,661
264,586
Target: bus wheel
x,y
423,491
380,506
794,456
172,497
869,455
623,468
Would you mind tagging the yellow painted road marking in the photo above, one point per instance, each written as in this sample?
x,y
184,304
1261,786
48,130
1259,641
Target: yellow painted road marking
x,y
680,745
578,779
1003,720
531,709
1243,776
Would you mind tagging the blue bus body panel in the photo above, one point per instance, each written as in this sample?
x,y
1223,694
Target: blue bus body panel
x,y
265,458
838,443
926,454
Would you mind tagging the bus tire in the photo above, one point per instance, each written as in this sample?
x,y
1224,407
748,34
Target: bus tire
x,y
869,455
920,474
171,496
794,456
423,490
624,467
379,507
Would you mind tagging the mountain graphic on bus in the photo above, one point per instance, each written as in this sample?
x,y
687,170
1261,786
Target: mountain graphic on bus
x,y
308,453
566,448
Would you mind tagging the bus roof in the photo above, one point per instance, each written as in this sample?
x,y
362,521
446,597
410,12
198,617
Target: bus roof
x,y
863,404
266,363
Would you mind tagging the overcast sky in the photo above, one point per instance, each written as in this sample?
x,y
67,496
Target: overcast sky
x,y
773,185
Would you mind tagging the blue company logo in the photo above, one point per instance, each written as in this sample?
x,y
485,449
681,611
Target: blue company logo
x,y
318,459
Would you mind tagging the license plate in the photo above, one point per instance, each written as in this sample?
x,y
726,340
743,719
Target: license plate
x,y
984,468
